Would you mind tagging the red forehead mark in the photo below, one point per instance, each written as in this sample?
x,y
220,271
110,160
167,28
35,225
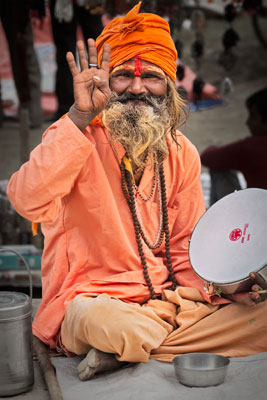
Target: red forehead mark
x,y
138,66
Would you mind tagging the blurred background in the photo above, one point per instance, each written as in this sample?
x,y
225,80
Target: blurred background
x,y
222,59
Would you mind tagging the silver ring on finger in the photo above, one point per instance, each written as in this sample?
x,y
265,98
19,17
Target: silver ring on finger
x,y
93,65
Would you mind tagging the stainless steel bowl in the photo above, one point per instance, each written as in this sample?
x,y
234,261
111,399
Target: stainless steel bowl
x,y
201,369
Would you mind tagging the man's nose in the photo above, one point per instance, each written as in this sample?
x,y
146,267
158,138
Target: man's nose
x,y
137,86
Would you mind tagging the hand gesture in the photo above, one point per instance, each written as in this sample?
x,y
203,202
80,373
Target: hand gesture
x,y
257,294
91,84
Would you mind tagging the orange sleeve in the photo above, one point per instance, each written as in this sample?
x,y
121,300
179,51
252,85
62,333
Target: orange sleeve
x,y
36,190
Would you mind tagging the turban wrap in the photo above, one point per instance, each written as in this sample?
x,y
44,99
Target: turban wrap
x,y
144,35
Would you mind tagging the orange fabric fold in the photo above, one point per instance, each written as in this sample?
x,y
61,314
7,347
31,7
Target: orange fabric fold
x,y
34,228
145,35
162,329
96,121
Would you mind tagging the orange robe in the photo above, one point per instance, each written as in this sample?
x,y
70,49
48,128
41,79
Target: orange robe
x,y
72,185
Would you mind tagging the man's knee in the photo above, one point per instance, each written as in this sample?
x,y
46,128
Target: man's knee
x,y
113,326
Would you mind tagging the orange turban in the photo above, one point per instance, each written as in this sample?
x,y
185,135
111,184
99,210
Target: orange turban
x,y
145,35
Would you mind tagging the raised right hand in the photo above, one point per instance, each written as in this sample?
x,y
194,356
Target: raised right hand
x,y
91,84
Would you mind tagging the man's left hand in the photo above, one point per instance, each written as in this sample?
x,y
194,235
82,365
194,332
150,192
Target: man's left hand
x,y
254,296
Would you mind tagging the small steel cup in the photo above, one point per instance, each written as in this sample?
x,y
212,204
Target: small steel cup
x,y
201,369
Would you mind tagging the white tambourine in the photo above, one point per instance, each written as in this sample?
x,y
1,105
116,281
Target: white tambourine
x,y
230,241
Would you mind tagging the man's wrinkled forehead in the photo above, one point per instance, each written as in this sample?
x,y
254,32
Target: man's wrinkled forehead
x,y
137,66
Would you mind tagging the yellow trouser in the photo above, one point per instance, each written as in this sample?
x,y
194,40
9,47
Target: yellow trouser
x,y
162,329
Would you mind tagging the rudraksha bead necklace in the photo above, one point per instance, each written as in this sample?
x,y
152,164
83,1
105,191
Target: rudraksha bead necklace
x,y
152,190
128,190
160,234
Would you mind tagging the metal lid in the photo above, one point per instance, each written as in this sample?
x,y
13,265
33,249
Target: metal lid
x,y
229,241
14,305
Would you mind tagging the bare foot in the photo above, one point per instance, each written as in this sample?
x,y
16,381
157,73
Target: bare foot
x,y
97,361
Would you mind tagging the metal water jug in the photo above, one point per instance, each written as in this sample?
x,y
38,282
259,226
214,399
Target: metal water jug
x,y
16,353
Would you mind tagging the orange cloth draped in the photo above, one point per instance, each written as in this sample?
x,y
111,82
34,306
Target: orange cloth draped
x,y
145,35
161,329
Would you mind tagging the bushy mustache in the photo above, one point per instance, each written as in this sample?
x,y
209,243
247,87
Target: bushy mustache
x,y
150,100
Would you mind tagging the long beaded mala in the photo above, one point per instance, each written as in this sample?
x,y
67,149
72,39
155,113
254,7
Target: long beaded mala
x,y
160,234
128,190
